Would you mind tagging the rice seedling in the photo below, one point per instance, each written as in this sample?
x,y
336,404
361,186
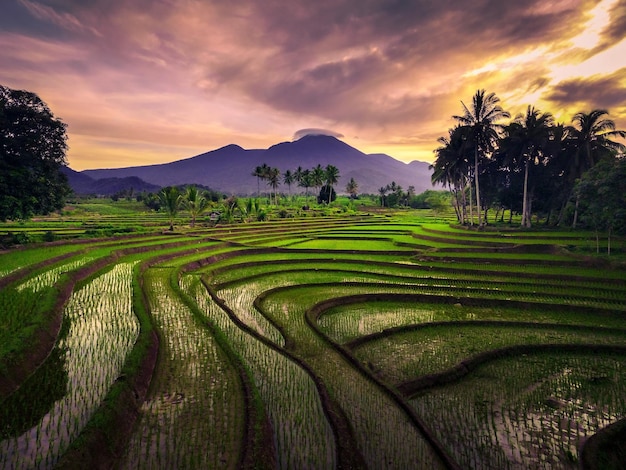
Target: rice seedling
x,y
442,279
435,348
303,436
532,411
193,412
50,277
102,329
372,413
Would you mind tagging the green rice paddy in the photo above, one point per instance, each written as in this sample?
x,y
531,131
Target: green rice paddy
x,y
345,341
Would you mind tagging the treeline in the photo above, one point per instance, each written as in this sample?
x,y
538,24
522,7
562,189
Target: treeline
x,y
323,179
530,166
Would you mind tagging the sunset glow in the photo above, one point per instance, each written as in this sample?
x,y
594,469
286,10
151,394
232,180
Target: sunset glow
x,y
142,82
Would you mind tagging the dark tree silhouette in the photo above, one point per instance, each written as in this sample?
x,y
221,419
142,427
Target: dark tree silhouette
x,y
593,139
33,144
481,119
527,144
331,176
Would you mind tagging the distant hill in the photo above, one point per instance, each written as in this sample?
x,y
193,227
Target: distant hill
x,y
84,184
229,169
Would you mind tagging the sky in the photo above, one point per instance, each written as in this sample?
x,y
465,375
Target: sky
x,y
152,81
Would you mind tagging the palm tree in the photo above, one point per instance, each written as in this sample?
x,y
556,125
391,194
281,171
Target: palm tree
x,y
331,176
592,136
306,182
262,173
273,179
298,174
258,172
452,167
288,179
352,188
383,191
170,199
195,203
317,177
481,121
527,143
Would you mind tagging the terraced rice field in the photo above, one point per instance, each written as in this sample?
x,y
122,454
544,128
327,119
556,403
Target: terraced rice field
x,y
322,342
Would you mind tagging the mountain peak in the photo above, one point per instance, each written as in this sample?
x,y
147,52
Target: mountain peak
x,y
230,168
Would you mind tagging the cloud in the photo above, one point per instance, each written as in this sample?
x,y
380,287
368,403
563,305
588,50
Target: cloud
x,y
615,30
63,19
314,131
389,72
594,92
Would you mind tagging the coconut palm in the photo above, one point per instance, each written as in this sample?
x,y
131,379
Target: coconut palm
x,y
195,203
452,167
298,174
273,180
352,188
480,120
257,173
527,144
170,199
305,181
592,137
289,179
261,172
317,177
331,177
383,191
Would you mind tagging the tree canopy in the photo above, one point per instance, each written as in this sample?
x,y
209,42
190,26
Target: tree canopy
x,y
33,144
528,165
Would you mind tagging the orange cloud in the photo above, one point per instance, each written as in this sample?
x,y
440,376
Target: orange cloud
x,y
138,80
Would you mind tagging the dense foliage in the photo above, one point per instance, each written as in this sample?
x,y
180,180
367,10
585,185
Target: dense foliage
x,y
32,150
602,197
528,166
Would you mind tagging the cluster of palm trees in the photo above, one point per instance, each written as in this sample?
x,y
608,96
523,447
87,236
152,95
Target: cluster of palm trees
x,y
393,195
531,161
192,200
323,179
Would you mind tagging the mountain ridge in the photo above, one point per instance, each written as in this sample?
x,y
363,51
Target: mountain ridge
x,y
229,168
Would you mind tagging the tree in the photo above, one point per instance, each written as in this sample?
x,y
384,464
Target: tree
x,y
592,137
383,192
480,120
273,180
289,179
170,199
306,182
317,177
527,144
298,175
195,203
33,144
397,196
262,173
452,167
327,194
331,177
602,195
258,173
352,188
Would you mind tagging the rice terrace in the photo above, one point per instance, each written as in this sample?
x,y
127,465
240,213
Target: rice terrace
x,y
331,338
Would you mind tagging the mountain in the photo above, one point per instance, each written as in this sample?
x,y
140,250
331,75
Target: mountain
x,y
229,169
84,184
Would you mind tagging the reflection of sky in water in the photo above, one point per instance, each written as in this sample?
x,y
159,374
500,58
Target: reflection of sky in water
x,y
526,412
102,331
50,277
302,432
